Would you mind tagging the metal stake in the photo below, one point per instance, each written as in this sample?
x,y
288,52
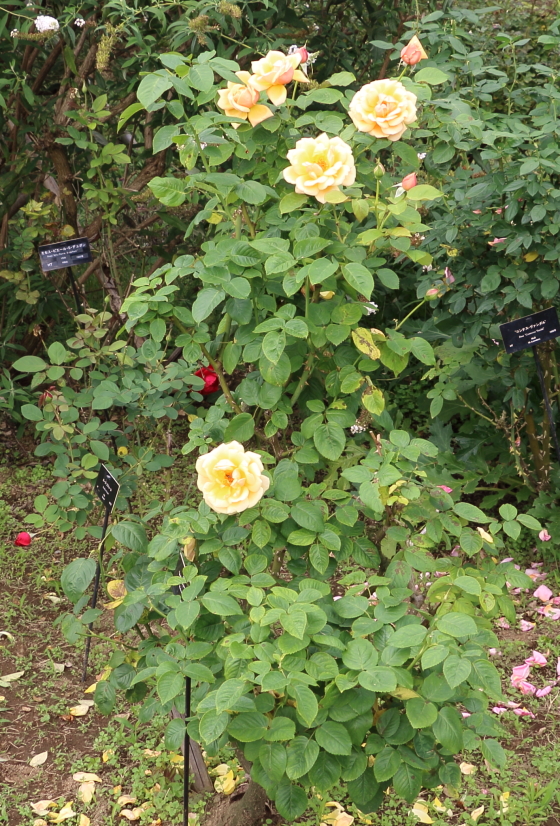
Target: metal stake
x,y
77,299
186,753
546,401
96,588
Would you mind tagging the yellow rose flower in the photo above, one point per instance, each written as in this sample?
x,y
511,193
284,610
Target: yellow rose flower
x,y
239,100
273,72
320,165
383,108
122,451
231,478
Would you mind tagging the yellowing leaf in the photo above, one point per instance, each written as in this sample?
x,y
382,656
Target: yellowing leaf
x,y
220,770
86,777
110,606
363,340
327,295
402,693
420,810
530,256
436,803
475,814
86,792
38,759
107,754
116,589
486,536
225,783
177,759
90,689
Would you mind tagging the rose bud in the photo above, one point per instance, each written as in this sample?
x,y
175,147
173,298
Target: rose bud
x,y
413,52
378,170
409,181
304,54
211,381
23,539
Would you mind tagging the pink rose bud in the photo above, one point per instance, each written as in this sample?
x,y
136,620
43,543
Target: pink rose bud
x,y
304,54
23,539
433,293
544,535
446,488
409,181
413,52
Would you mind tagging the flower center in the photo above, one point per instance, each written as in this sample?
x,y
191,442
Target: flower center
x,y
322,162
228,476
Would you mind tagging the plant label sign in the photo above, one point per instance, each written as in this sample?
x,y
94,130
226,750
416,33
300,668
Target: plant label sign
x,y
530,330
107,488
65,254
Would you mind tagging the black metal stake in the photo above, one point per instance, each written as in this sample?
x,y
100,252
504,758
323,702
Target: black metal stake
x,y
546,402
96,588
77,299
186,752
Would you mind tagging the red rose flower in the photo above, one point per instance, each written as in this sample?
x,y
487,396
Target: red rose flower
x,y
211,381
23,539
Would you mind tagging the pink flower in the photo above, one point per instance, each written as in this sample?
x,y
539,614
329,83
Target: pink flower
x,y
477,212
511,704
495,241
525,625
507,559
503,623
448,276
523,712
544,535
549,611
499,709
433,293
525,687
542,692
535,574
446,488
543,593
23,539
409,181
519,674
536,659
498,211
466,713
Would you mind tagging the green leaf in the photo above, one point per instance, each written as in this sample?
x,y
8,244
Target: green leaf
x,y
468,584
152,87
308,247
201,76
529,521
334,738
252,192
431,75
457,625
127,616
220,604
186,613
105,697
30,364
341,78
423,192
229,693
407,782
281,728
350,607
325,772
31,412
295,623
273,345
240,429
319,558
329,439
248,727
508,512
132,535
175,734
408,637
360,655
456,670
470,512
206,301
170,191
301,755
308,515
57,353
291,800
170,685
290,202
76,578
273,759
420,712
306,703
359,277
493,752
422,349
321,269
261,533
212,725
381,678
448,729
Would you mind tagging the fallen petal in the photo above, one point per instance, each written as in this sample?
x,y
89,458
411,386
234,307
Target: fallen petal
x,y
543,593
39,759
86,777
86,792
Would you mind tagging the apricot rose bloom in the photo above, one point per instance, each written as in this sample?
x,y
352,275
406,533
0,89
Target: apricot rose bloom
x,y
272,73
231,478
240,100
383,108
413,52
320,165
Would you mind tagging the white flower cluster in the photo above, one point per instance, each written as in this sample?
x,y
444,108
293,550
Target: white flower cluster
x,y
44,23
14,33
371,307
80,22
357,428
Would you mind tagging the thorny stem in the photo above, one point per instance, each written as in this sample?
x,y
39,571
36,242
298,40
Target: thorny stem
x,y
400,324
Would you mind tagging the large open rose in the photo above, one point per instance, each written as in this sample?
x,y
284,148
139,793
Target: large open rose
x,y
320,165
239,100
231,478
383,108
273,72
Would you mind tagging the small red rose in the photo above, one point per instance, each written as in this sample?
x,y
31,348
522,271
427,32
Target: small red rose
x,y
211,381
23,539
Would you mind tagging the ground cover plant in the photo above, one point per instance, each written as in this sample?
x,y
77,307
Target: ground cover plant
x,y
314,348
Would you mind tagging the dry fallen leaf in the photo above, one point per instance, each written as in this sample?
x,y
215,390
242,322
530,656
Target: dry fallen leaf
x,y
79,711
52,598
151,753
39,759
90,688
42,806
9,678
64,814
86,792
58,667
117,789
86,777
126,800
